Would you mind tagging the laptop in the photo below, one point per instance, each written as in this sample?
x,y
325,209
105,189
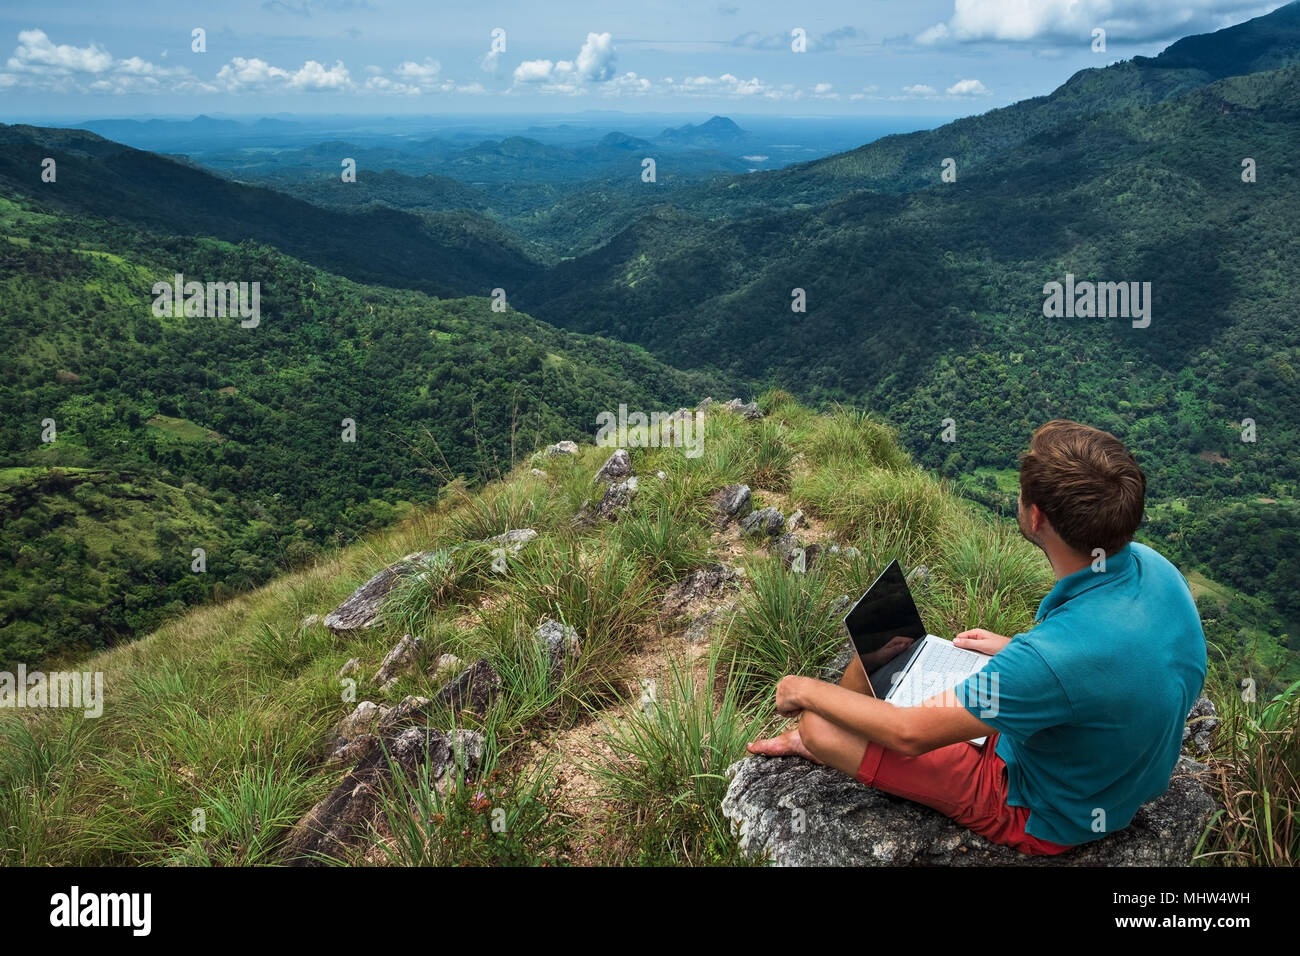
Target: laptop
x,y
896,651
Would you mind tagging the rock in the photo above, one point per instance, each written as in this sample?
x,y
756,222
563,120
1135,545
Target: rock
x,y
1198,735
701,628
538,473
734,501
709,581
411,708
562,645
649,696
838,664
473,689
446,667
815,552
351,751
616,498
784,547
309,621
843,823
561,448
351,667
748,410
345,819
766,522
362,608
617,467
400,658
661,475
363,719
795,521
514,540
705,402
918,574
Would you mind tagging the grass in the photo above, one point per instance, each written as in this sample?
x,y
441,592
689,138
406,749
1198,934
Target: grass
x,y
216,726
667,778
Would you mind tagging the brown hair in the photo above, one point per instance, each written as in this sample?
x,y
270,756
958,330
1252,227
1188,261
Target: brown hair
x,y
1086,483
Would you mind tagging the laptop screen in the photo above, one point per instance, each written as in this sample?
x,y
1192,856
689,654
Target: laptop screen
x,y
884,612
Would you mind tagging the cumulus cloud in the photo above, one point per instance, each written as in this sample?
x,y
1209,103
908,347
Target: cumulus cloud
x,y
1072,21
918,89
967,88
593,64
252,74
39,63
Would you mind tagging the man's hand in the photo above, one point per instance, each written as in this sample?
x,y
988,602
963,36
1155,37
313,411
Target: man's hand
x,y
788,701
978,639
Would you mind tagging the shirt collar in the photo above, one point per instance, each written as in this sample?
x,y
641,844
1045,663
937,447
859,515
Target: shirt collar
x,y
1118,565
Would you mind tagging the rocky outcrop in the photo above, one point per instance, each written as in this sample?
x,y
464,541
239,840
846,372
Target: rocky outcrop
x,y
617,467
561,448
512,540
473,689
734,502
796,813
1198,735
562,644
748,410
344,821
616,498
766,522
361,609
401,658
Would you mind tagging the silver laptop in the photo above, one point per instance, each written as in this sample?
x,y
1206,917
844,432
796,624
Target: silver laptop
x,y
897,652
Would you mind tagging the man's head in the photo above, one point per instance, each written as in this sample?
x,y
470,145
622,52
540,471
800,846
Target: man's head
x,y
1084,484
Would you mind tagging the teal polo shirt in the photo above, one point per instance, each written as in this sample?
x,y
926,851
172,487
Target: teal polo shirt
x,y
1091,703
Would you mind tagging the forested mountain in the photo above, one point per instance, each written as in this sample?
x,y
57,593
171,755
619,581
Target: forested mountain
x,y
445,254
171,434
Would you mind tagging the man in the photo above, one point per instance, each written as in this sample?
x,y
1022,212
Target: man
x,y
1086,719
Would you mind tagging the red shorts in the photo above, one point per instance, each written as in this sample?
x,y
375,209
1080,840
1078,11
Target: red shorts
x,y
961,781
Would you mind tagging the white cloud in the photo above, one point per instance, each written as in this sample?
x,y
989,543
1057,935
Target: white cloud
x,y
253,74
1072,21
37,53
594,64
419,72
919,89
39,63
967,88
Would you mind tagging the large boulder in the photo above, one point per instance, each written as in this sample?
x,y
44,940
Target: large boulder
x,y
473,689
748,410
734,501
797,813
617,467
616,498
362,608
345,820
561,448
766,522
514,539
401,658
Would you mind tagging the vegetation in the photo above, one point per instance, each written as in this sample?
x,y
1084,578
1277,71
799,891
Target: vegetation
x,y
249,694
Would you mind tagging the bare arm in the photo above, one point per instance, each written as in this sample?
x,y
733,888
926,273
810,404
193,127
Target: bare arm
x,y
939,721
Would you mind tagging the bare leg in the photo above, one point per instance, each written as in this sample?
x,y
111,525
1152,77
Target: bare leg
x,y
792,744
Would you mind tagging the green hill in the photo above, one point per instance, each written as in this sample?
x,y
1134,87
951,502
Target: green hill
x,y
173,434
216,730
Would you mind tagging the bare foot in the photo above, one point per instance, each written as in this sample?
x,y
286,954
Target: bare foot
x,y
788,744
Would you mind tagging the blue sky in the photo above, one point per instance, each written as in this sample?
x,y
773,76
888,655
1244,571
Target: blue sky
x,y
863,57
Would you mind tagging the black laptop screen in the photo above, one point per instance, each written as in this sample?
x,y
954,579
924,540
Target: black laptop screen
x,y
886,610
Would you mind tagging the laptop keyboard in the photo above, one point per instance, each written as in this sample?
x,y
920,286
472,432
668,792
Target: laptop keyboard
x,y
939,666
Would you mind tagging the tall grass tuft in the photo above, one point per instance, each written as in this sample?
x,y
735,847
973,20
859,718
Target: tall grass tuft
x,y
667,776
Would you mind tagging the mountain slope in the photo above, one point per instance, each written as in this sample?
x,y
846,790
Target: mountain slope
x,y
172,434
459,254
